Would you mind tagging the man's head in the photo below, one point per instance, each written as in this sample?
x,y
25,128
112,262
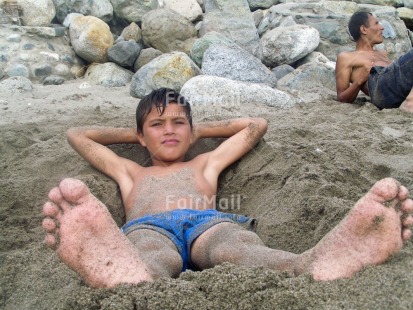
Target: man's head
x,y
364,23
160,99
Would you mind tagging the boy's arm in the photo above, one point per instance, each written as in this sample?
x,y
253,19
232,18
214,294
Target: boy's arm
x,y
90,143
348,91
242,133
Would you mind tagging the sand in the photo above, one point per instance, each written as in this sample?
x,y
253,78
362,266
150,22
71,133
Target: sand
x,y
315,162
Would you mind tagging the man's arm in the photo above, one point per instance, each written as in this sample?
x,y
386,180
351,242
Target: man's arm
x,y
90,143
242,133
347,91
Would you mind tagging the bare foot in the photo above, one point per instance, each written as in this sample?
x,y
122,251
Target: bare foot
x,y
81,230
370,234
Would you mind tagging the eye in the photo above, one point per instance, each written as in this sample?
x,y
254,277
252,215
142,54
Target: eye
x,y
156,124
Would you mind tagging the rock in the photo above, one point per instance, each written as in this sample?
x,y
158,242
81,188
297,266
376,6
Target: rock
x,y
282,70
146,56
212,90
36,13
101,9
17,69
201,45
316,57
261,4
284,45
108,74
170,70
232,19
168,31
91,38
133,10
124,53
53,80
237,64
310,81
190,9
16,84
132,32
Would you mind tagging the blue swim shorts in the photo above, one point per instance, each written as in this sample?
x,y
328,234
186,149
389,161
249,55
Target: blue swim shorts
x,y
389,86
183,226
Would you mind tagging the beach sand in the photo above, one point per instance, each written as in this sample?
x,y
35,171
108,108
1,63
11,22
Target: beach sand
x,y
316,160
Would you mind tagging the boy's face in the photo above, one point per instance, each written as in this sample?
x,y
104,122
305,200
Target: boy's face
x,y
168,136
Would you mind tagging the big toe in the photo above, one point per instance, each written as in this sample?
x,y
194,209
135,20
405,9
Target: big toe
x,y
386,189
74,191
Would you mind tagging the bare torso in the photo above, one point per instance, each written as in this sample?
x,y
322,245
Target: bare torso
x,y
160,189
359,60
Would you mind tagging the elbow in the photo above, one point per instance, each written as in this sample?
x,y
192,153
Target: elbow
x,y
262,125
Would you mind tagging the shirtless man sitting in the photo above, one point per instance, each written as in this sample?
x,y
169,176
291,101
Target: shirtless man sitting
x,y
160,239
389,84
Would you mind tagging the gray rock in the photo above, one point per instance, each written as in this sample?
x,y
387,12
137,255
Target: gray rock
x,y
132,32
388,31
190,9
232,19
36,13
146,56
17,69
124,53
310,81
16,84
108,74
170,70
261,4
14,38
42,70
284,45
282,70
201,45
235,63
133,10
212,90
53,80
101,9
168,31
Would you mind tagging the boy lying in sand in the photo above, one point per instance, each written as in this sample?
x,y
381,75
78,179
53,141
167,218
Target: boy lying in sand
x,y
161,239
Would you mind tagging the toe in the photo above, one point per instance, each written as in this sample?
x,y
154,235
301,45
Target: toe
x,y
403,193
50,241
55,195
386,189
406,234
50,209
407,206
408,221
74,191
49,225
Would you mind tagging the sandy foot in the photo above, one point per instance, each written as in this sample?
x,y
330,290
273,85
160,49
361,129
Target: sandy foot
x,y
370,234
81,230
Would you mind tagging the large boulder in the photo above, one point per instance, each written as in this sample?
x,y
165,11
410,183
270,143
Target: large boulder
x,y
91,38
168,31
235,63
170,70
213,90
108,74
36,13
133,10
233,19
285,45
187,8
125,53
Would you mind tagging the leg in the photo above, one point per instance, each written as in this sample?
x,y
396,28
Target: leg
x,y
370,234
228,242
88,240
407,105
158,252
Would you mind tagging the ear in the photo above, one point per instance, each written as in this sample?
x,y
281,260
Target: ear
x,y
363,29
141,139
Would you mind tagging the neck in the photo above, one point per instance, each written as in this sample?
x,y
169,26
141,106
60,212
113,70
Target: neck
x,y
364,45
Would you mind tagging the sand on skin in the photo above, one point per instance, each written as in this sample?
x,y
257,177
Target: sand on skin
x,y
316,160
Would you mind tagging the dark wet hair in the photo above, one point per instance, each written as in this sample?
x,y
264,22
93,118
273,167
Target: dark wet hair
x,y
159,99
357,20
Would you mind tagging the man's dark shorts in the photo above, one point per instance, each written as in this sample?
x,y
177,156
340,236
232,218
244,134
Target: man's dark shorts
x,y
183,226
389,86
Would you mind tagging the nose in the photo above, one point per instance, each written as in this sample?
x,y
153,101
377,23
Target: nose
x,y
169,128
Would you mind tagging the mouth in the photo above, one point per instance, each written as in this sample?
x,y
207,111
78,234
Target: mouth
x,y
170,142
